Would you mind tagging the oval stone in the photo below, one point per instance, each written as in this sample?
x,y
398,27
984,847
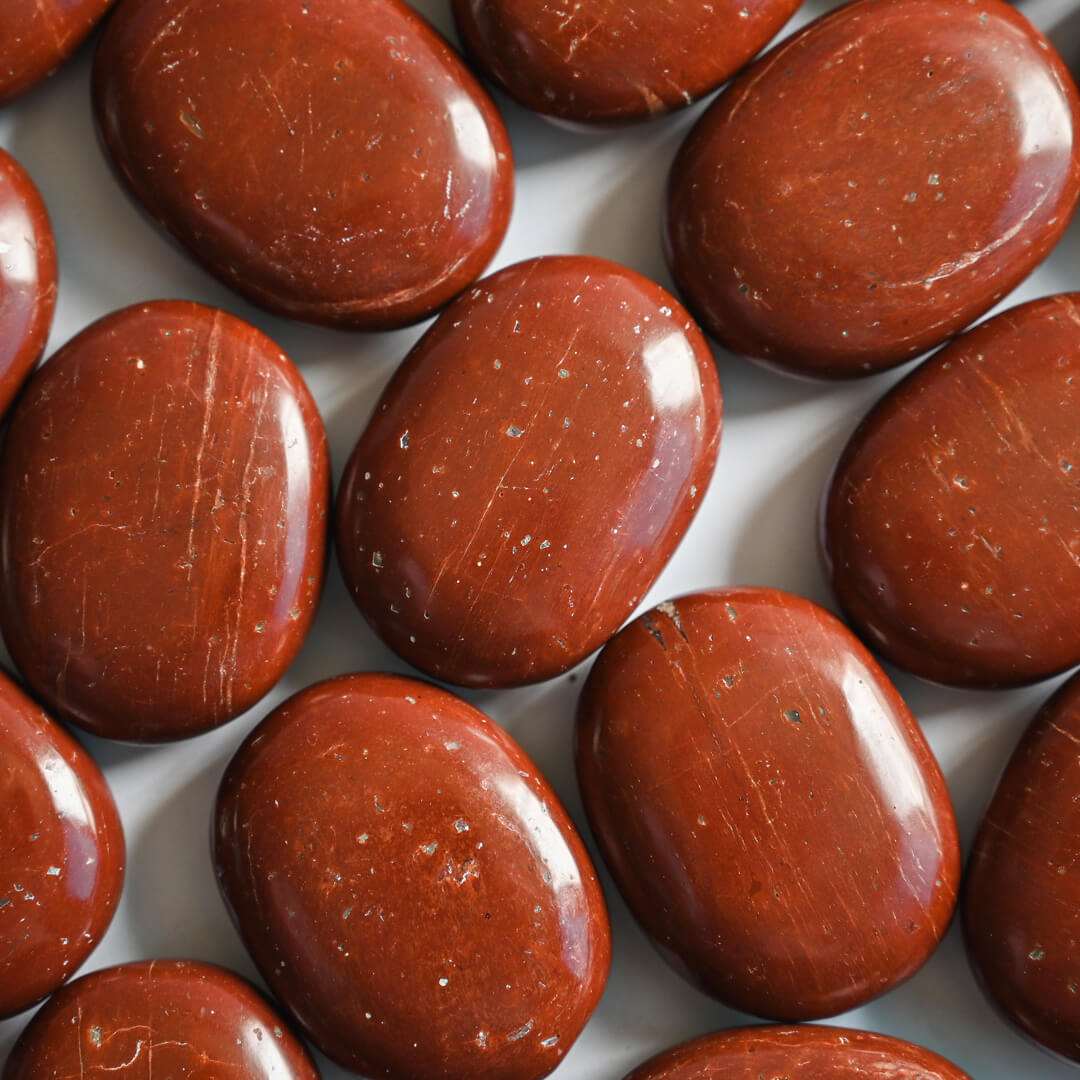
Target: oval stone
x,y
612,61
409,885
798,1053
163,497
37,36
1022,894
830,214
766,803
334,162
168,1018
952,524
27,276
529,471
61,853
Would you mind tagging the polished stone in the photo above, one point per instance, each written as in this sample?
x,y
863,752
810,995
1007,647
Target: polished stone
x,y
766,803
163,499
833,213
529,471
409,885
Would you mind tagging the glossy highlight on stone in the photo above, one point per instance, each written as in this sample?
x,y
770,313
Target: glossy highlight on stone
x,y
409,885
874,184
61,853
1022,892
766,803
334,162
177,1019
612,61
952,524
529,471
798,1053
37,36
27,276
163,497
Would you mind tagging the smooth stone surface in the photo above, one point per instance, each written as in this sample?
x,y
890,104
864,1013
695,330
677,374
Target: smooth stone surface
x,y
163,495
27,275
409,885
335,162
952,524
874,184
766,803
1022,894
176,1019
798,1053
61,853
529,471
611,61
37,36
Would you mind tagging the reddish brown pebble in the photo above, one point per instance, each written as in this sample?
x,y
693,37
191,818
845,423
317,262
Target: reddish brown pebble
x,y
798,1053
331,161
875,184
61,853
169,1018
163,496
27,275
409,885
952,525
766,803
37,36
1022,893
611,61
529,471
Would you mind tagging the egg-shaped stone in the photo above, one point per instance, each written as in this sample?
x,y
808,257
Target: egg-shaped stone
x,y
952,523
1022,891
529,471
163,497
613,61
409,885
27,276
798,1053
175,1019
874,184
61,853
766,803
334,162
37,36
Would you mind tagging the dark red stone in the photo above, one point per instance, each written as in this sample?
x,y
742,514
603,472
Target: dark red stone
x,y
409,885
332,161
61,853
952,525
163,496
529,471
766,803
610,61
176,1019
875,183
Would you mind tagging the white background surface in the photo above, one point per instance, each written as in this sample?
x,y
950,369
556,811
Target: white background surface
x,y
599,193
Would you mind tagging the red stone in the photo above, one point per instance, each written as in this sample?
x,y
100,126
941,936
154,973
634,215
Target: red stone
x,y
874,184
1022,895
798,1053
169,1018
611,61
409,885
61,853
331,161
163,497
529,471
27,275
37,36
766,803
952,525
